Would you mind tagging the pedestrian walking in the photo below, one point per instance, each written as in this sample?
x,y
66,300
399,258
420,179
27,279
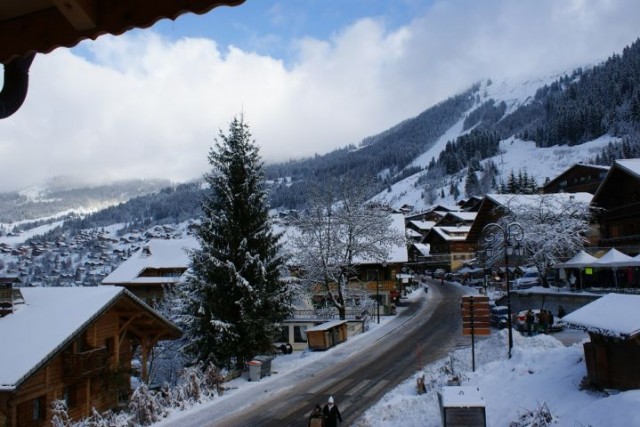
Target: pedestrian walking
x,y
316,419
331,414
529,318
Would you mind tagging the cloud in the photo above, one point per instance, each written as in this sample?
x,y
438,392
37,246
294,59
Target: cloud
x,y
141,105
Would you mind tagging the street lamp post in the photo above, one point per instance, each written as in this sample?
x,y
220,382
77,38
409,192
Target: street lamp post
x,y
482,256
512,232
378,295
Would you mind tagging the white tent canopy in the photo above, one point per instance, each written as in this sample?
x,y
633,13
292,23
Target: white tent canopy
x,y
615,258
580,260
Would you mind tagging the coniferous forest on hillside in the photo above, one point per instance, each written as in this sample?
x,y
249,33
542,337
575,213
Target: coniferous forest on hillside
x,y
576,108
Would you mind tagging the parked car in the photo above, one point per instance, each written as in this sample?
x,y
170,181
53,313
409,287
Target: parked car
x,y
499,316
529,279
452,277
439,273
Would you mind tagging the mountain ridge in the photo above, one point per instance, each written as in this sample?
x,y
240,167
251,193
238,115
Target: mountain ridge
x,y
491,130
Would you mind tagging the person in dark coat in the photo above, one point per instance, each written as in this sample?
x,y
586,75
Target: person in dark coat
x,y
529,318
316,419
331,414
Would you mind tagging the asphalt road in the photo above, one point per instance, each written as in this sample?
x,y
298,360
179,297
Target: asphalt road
x,y
425,331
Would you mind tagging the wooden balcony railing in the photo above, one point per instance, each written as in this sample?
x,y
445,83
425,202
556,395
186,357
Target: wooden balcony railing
x,y
87,363
370,286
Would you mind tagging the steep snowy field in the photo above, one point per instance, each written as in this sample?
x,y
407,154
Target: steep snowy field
x,y
517,155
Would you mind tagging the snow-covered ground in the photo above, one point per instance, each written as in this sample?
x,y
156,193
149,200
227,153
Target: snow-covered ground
x,y
544,373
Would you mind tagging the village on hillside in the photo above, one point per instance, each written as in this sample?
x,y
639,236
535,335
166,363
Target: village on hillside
x,y
111,285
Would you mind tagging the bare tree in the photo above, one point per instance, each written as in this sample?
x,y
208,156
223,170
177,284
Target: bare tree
x,y
338,231
555,226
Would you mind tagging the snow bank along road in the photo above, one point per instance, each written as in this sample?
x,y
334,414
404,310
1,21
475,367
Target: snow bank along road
x,y
356,373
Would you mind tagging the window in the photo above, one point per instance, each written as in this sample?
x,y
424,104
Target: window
x,y
39,408
71,396
82,343
284,334
300,333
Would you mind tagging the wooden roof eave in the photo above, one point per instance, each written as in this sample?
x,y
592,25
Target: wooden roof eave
x,y
43,25
151,322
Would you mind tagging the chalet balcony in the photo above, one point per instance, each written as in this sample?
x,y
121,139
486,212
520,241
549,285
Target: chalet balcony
x,y
84,364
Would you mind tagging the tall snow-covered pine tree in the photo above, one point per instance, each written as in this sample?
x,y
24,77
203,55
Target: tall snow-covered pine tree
x,y
236,297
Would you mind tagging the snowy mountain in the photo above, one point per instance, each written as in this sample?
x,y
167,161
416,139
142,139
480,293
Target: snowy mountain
x,y
538,127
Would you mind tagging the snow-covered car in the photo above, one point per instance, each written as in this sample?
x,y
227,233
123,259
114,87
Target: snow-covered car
x,y
529,279
499,316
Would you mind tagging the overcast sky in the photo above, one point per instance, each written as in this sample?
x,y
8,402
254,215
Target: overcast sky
x,y
309,75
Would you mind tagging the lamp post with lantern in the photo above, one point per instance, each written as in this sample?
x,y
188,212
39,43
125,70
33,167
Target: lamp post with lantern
x,y
509,236
481,255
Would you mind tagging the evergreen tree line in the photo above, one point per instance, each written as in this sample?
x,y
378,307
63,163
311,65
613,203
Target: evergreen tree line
x,y
627,148
465,150
584,105
520,183
486,115
391,150
576,108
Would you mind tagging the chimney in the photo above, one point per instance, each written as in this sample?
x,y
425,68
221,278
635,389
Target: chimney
x,y
9,296
146,251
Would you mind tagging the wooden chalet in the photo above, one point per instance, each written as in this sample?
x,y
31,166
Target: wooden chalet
x,y
449,248
418,253
612,355
472,204
457,218
73,344
578,178
156,264
619,198
420,227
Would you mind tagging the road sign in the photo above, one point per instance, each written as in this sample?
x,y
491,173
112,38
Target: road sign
x,y
475,320
475,315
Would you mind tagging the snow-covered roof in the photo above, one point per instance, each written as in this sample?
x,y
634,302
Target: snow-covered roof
x,y
397,253
461,397
611,315
157,253
533,200
327,325
464,216
452,233
423,225
630,165
424,250
412,233
46,322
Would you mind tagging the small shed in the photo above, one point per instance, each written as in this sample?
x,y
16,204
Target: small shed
x,y
462,406
327,335
612,355
294,333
